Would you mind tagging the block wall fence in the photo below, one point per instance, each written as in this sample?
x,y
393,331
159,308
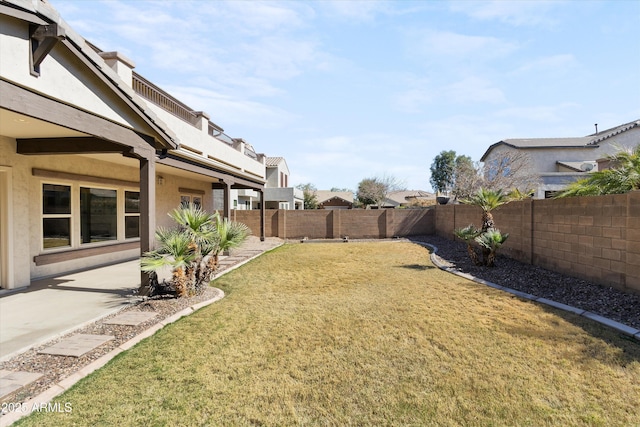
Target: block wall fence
x,y
595,238
336,224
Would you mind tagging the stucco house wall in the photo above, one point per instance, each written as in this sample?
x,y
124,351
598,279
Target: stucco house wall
x,y
75,90
545,154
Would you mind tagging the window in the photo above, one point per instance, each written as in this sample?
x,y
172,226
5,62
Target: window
x,y
195,200
56,215
98,215
131,214
75,215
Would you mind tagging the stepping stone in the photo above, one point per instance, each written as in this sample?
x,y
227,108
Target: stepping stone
x,y
12,381
77,345
131,318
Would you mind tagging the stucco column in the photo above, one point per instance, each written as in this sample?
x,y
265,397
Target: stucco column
x,y
147,212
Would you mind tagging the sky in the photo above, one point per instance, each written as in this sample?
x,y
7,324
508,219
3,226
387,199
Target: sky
x,y
347,90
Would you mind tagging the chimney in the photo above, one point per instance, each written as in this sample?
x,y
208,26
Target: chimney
x,y
122,65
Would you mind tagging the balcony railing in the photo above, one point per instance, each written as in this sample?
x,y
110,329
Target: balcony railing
x,y
151,92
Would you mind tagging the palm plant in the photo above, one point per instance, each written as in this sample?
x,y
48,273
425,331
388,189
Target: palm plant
x,y
227,235
623,177
469,234
192,248
487,200
175,252
491,240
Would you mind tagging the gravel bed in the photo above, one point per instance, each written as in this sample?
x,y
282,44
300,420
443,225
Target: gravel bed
x,y
56,368
606,301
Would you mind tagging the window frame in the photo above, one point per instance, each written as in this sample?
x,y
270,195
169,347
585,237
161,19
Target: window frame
x,y
44,216
75,215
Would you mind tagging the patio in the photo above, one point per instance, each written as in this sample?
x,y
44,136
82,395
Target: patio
x,y
54,306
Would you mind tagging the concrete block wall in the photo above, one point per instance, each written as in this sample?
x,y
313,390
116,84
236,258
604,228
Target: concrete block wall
x,y
595,238
335,224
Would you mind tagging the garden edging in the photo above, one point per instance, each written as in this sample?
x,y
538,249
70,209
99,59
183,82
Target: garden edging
x,y
442,265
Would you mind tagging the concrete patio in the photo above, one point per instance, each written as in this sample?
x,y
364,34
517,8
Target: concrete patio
x,y
54,306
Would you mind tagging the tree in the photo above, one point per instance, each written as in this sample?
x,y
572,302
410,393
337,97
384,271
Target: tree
x,y
374,191
510,170
488,237
310,198
468,177
506,171
191,249
624,176
442,171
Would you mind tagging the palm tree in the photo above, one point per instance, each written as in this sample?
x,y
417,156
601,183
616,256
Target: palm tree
x,y
491,241
469,234
176,252
227,235
623,177
192,248
487,200
198,225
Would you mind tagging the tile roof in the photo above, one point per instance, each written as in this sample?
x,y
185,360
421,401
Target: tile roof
x,y
406,196
324,195
273,161
600,136
548,142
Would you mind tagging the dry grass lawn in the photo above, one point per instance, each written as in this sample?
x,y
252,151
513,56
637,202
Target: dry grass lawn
x,y
364,334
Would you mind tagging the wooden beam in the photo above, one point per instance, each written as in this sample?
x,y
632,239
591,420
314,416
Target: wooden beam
x,y
23,101
44,38
201,169
72,145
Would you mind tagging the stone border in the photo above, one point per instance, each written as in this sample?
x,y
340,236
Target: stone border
x,y
63,385
620,327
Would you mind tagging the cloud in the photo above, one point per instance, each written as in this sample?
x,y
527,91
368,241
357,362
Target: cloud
x,y
359,11
232,112
468,91
473,90
541,113
516,13
553,63
447,44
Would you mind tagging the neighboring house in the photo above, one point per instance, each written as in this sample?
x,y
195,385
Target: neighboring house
x,y
407,198
277,193
560,161
334,199
92,155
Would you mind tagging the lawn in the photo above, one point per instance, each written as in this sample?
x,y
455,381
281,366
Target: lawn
x,y
363,334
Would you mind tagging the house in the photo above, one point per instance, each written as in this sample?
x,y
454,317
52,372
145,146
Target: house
x,y
92,155
560,161
334,199
407,198
277,193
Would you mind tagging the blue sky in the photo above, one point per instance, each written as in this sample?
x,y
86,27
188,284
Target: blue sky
x,y
356,89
